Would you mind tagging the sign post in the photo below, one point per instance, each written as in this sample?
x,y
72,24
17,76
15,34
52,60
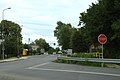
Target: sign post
x,y
102,39
102,51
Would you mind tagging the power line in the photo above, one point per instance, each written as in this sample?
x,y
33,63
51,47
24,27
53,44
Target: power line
x,y
36,24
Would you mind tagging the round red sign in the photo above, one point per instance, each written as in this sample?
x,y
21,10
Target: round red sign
x,y
102,39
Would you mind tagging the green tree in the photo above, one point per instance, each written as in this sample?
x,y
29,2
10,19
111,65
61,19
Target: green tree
x,y
57,49
103,17
63,33
78,43
42,44
12,36
51,50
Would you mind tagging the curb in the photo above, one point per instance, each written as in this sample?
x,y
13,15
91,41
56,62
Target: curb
x,y
14,59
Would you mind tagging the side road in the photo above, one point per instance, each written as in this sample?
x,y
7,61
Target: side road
x,y
13,59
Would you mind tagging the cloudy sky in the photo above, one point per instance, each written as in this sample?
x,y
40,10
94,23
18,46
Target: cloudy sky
x,y
38,18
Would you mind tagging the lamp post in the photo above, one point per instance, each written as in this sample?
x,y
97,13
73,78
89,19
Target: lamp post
x,y
3,47
3,12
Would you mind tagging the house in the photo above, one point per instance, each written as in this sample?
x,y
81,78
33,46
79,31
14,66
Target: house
x,y
95,48
34,46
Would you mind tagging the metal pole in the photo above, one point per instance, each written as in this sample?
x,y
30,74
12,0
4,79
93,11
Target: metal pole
x,y
102,51
18,44
102,64
3,35
3,46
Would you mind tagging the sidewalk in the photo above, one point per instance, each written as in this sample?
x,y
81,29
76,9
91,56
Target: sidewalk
x,y
13,59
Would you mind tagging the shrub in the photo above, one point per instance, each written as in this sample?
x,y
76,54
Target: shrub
x,y
84,55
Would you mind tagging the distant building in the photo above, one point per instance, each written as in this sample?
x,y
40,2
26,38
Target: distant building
x,y
95,48
34,46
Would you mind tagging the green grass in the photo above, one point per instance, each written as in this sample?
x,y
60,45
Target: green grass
x,y
85,63
81,55
84,55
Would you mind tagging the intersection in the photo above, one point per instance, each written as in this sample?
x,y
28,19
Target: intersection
x,y
42,68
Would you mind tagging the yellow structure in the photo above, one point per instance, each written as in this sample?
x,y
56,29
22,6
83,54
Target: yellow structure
x,y
99,55
24,53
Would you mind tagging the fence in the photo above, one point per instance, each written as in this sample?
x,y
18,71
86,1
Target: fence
x,y
90,59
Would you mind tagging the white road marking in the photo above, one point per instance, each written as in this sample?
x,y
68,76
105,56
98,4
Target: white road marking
x,y
72,71
38,65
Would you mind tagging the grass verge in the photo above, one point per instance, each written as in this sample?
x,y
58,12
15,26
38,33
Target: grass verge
x,y
85,63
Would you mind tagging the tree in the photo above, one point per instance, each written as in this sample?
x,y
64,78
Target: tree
x,y
57,49
78,43
116,29
42,44
63,33
51,50
103,17
12,36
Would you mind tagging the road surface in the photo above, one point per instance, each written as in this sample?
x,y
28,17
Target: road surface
x,y
42,68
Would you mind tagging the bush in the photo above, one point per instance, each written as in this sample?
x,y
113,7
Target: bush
x,y
34,52
84,55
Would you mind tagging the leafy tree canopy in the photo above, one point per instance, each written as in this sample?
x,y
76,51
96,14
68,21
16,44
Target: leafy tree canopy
x,y
103,17
42,44
63,33
12,37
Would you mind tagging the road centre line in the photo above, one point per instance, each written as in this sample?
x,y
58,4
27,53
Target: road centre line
x,y
72,71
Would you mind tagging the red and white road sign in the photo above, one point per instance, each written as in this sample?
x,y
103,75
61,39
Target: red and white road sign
x,y
102,39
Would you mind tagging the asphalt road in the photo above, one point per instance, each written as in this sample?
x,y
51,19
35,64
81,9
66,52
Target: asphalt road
x,y
42,68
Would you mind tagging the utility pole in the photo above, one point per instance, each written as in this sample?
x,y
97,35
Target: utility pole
x,y
2,33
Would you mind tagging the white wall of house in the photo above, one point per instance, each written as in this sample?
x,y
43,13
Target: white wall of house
x,y
34,47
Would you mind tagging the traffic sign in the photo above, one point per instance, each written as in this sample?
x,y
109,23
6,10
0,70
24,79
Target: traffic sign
x,y
102,39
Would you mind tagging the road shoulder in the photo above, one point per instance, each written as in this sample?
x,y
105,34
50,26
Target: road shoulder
x,y
13,59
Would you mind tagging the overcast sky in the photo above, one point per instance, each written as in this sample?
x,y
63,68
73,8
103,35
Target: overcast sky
x,y
38,18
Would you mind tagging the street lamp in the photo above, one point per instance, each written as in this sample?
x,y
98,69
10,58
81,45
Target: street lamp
x,y
3,47
3,12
